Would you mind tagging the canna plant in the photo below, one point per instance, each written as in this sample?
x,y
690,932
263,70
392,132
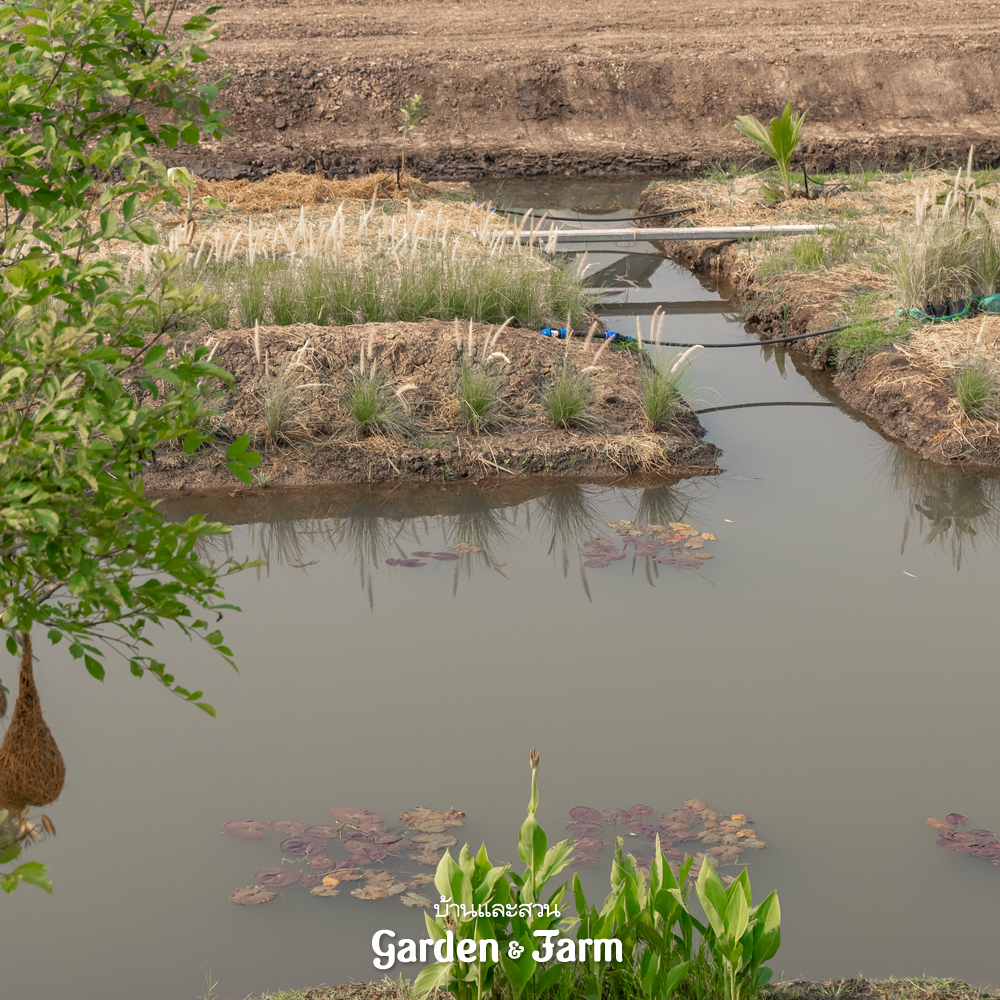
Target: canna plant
x,y
660,955
778,139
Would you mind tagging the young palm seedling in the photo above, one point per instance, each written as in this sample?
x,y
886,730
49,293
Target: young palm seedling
x,y
778,139
411,114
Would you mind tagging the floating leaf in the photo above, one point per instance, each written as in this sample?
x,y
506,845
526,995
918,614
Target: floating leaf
x,y
277,875
369,892
463,547
251,895
324,890
956,819
617,816
708,536
330,880
444,556
350,874
432,820
640,810
363,819
321,831
249,829
586,829
410,563
704,555
423,555
310,880
694,543
689,563
679,525
585,813
587,845
415,899
597,563
395,890
390,838
640,828
290,826
427,857
588,861
319,861
938,824
301,845
434,841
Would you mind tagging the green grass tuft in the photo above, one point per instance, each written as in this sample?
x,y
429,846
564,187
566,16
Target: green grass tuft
x,y
975,385
568,399
374,406
661,394
479,395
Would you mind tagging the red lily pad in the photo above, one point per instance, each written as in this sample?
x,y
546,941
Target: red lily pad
x,y
640,810
585,829
586,814
292,827
321,831
597,563
588,861
301,845
277,876
956,819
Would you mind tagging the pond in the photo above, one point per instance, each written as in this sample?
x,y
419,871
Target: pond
x,y
830,673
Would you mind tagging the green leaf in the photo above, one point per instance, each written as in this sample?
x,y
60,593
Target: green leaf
x,y
434,977
94,667
190,135
34,873
129,207
214,204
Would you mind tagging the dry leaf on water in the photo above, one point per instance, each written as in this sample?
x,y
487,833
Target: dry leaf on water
x,y
463,547
709,537
426,857
324,890
415,899
250,895
380,880
369,892
679,525
435,841
349,874
432,820
395,890
694,543
329,880
420,880
250,829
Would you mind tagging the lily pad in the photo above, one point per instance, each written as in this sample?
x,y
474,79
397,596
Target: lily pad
x,y
585,813
321,831
640,810
463,547
597,563
291,827
617,816
251,895
584,829
324,890
587,861
444,556
360,818
277,875
956,819
369,892
434,841
301,845
249,829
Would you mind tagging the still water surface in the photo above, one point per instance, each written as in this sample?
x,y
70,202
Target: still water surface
x,y
831,673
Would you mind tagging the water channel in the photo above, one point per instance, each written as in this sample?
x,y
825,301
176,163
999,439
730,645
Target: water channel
x,y
830,673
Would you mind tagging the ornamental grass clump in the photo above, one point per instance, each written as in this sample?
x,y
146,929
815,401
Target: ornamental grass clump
x,y
568,399
481,381
662,393
374,405
975,385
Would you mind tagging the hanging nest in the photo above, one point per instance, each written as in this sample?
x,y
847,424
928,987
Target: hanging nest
x,y
32,771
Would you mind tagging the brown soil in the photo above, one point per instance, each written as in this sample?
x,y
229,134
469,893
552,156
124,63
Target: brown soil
x,y
596,87
322,446
906,392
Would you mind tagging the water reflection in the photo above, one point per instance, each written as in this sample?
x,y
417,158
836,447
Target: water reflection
x,y
475,527
953,511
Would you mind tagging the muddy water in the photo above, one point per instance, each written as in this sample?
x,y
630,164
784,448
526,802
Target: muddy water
x,y
830,673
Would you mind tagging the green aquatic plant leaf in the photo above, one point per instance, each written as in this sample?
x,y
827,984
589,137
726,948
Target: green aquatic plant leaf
x,y
778,139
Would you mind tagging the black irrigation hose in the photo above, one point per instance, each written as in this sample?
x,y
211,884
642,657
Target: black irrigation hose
x,y
744,343
631,218
747,406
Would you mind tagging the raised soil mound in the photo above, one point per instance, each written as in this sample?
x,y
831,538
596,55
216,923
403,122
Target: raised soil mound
x,y
321,446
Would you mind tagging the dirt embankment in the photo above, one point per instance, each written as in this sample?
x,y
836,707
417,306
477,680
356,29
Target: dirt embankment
x,y
289,396
903,390
596,87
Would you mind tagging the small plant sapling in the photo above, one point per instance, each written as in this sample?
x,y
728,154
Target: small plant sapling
x,y
411,114
778,139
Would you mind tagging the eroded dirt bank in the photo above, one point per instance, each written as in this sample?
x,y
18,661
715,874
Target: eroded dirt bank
x,y
289,396
595,86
